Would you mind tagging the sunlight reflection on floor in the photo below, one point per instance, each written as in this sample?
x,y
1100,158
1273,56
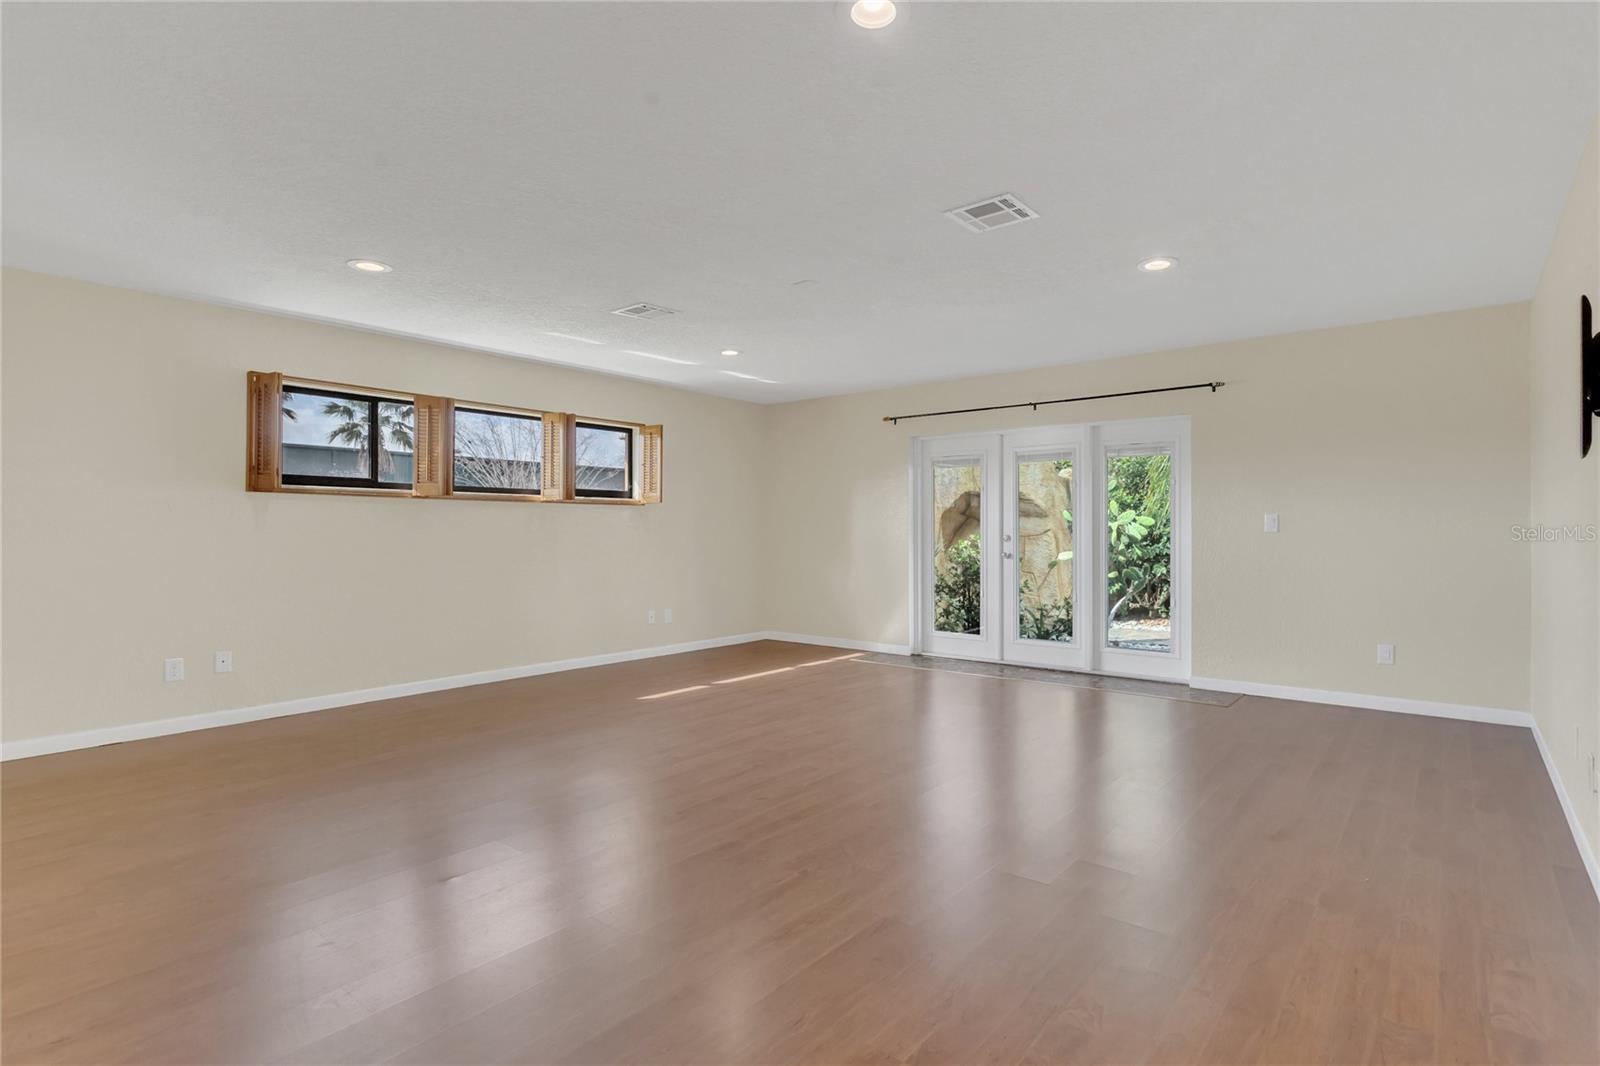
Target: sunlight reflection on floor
x,y
751,677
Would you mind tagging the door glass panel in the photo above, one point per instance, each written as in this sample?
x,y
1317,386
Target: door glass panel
x,y
1044,546
1139,551
958,545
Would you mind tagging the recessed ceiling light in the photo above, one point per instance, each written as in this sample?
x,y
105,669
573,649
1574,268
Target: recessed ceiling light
x,y
572,337
1158,264
371,266
872,14
749,377
730,351
662,358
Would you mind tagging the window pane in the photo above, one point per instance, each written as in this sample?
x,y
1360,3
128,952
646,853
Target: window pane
x,y
603,457
1139,551
325,436
396,457
1044,546
958,546
498,452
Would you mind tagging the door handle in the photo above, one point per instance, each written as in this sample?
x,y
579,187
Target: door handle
x,y
1005,555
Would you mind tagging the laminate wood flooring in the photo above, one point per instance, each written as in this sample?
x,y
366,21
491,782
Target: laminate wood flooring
x,y
772,853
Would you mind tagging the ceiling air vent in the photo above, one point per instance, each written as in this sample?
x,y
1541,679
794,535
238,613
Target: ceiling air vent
x,y
644,311
996,211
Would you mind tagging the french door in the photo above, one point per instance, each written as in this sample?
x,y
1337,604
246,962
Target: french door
x,y
1065,547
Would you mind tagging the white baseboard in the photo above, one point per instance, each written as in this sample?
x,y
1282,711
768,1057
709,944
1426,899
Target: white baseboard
x,y
839,642
1400,705
1584,850
91,738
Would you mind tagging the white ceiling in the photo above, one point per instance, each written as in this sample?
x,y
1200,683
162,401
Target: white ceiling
x,y
779,176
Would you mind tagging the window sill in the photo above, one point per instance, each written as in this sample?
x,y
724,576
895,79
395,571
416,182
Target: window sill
x,y
520,498
408,494
516,497
337,490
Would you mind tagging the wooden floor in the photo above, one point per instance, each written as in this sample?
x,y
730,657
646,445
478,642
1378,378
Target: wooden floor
x,y
766,854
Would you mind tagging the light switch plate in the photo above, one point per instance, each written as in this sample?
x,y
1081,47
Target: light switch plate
x,y
1385,654
174,670
1269,523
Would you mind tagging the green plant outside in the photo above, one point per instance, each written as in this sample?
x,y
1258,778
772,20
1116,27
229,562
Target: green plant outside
x,y
958,587
1139,537
1139,554
1048,621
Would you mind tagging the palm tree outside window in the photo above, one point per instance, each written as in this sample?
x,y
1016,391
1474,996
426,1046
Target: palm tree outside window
x,y
329,439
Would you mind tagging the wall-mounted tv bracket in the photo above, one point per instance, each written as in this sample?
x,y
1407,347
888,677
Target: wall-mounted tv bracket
x,y
1589,357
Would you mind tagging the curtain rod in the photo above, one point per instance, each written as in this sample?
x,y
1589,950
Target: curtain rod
x,y
1036,404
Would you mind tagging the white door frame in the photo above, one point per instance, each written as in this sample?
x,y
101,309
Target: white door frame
x,y
1099,439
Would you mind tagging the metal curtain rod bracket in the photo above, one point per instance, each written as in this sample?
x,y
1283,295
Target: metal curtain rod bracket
x,y
1036,404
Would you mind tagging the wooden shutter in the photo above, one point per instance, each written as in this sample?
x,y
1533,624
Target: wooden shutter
x,y
264,448
650,464
555,479
434,446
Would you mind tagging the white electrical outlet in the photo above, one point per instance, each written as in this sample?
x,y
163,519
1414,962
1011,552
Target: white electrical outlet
x,y
650,616
666,616
223,662
1269,523
174,670
1385,654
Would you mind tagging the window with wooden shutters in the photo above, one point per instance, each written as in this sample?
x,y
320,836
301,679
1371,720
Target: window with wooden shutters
x,y
265,415
557,480
432,446
318,436
650,464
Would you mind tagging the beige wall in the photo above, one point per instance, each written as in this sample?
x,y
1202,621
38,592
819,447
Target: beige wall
x,y
1565,491
1396,454
128,536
